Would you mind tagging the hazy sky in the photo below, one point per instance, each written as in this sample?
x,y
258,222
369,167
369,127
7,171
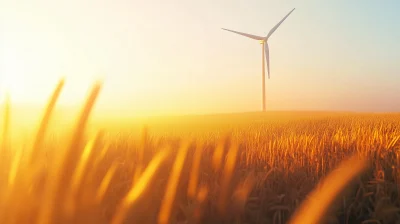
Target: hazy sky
x,y
172,56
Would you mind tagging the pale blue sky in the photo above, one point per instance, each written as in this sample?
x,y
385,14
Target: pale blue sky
x,y
160,57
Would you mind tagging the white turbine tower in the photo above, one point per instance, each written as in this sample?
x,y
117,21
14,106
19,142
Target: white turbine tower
x,y
265,49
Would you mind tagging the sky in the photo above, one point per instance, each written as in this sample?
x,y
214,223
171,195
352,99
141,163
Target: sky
x,y
171,57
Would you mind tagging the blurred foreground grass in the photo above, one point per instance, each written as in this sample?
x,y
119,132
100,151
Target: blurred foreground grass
x,y
238,169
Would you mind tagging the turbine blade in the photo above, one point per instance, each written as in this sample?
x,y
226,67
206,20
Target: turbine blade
x,y
277,25
245,34
266,48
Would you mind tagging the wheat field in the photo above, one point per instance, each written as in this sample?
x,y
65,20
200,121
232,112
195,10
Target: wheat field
x,y
245,168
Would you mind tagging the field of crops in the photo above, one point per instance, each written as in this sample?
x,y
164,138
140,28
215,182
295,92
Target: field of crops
x,y
241,168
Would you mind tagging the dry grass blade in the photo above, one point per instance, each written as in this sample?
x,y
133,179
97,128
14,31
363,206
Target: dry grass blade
x,y
82,163
226,187
168,200
84,116
312,210
60,174
73,152
393,142
45,121
140,157
15,163
6,124
80,170
138,190
195,172
105,182
100,156
218,154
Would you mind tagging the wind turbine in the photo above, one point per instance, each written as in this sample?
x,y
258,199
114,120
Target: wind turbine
x,y
265,49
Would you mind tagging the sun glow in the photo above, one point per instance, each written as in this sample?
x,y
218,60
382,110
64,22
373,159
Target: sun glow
x,y
29,78
11,78
15,67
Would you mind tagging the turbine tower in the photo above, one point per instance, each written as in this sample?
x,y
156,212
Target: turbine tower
x,y
265,50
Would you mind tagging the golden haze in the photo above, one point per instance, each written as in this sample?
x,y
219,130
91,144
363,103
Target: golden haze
x,y
266,166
